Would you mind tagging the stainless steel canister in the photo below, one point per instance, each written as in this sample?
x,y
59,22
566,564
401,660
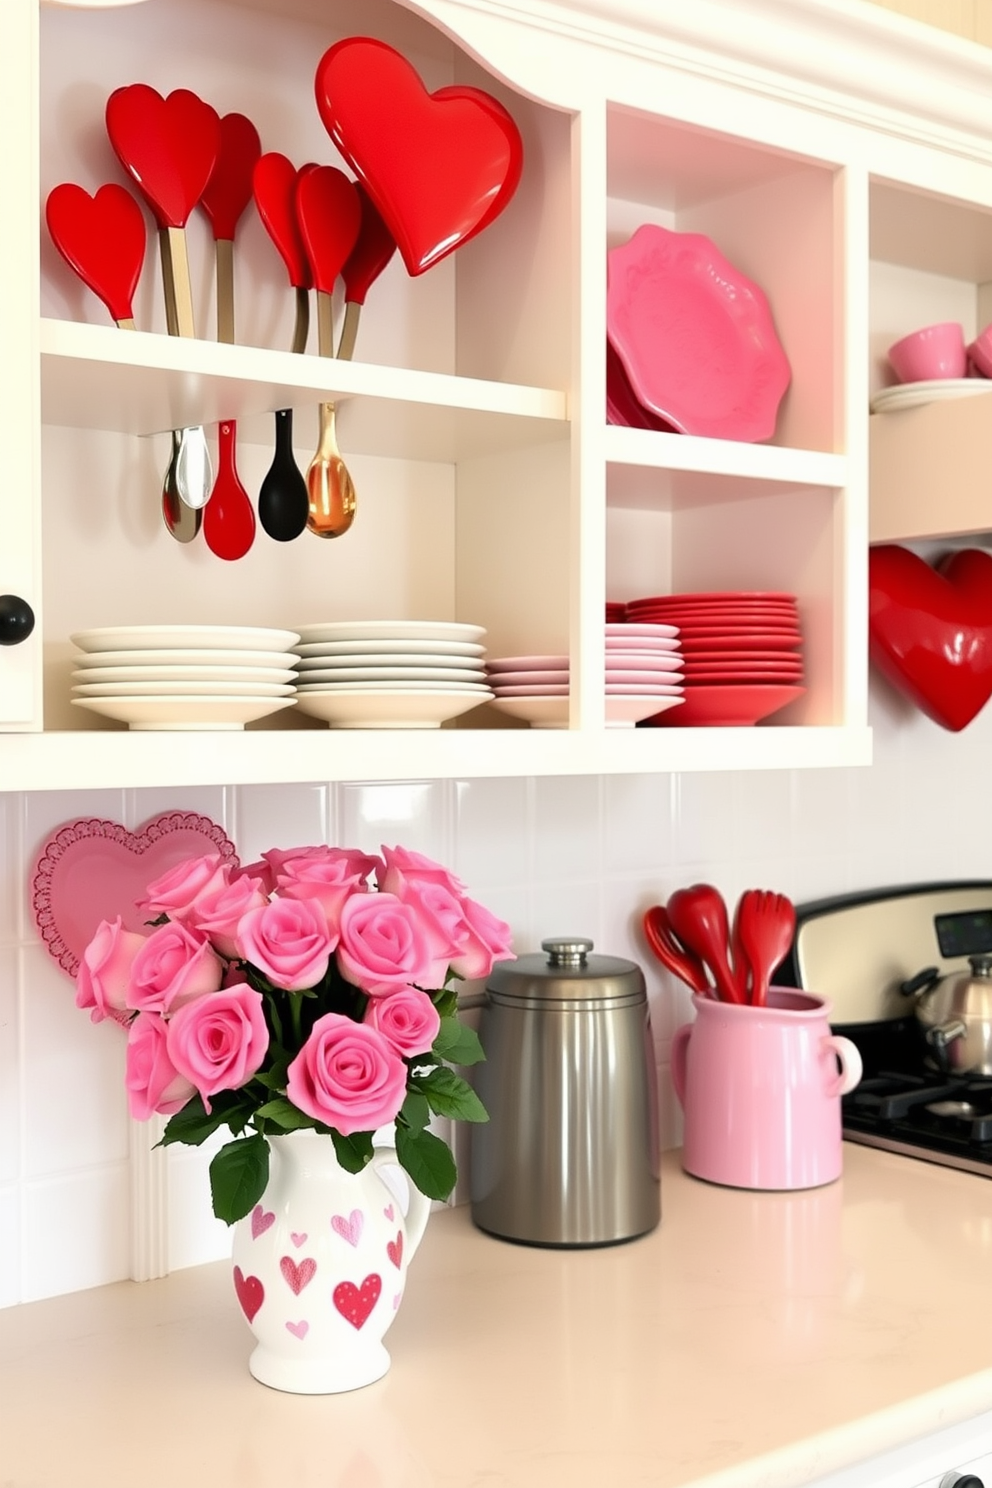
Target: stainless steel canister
x,y
569,1156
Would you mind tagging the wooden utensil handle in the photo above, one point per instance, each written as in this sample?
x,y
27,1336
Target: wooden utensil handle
x,y
225,290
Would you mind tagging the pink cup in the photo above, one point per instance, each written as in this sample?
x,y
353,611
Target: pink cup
x,y
935,351
761,1091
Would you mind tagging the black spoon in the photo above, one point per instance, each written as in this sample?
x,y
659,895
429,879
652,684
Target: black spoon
x,y
283,503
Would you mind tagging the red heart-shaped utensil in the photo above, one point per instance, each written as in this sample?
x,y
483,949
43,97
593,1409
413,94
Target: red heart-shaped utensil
x,y
101,237
372,252
930,630
167,145
330,215
439,167
228,517
229,189
274,182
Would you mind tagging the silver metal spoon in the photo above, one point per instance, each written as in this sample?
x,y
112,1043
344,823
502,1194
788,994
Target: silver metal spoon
x,y
194,471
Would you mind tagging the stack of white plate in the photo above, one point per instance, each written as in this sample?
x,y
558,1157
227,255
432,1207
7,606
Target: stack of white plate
x,y
185,676
390,673
643,678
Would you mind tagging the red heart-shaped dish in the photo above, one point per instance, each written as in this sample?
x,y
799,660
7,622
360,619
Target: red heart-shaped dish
x,y
330,215
274,182
101,237
91,870
167,145
930,630
439,167
229,188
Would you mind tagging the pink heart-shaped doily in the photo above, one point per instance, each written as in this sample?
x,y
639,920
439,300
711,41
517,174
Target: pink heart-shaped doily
x,y
92,870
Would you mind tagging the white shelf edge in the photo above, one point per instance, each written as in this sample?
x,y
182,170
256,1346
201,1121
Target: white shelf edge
x,y
686,452
303,375
96,759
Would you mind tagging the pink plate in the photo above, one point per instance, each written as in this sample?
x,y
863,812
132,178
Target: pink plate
x,y
550,689
556,677
644,629
648,679
696,337
643,661
731,706
92,870
527,664
645,689
622,406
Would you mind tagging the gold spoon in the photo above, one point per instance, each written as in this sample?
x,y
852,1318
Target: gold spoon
x,y
330,489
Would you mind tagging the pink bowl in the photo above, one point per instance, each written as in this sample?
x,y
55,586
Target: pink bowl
x,y
933,352
980,353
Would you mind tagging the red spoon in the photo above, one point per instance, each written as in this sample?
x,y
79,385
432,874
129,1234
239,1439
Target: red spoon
x,y
274,180
168,146
329,214
102,238
228,518
699,918
366,261
227,194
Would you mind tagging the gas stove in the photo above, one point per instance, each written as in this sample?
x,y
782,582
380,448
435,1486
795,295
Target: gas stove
x,y
857,950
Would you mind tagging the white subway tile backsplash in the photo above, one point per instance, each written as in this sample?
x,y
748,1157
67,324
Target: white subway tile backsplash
x,y
577,855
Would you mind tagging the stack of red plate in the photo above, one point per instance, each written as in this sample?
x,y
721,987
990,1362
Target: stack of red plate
x,y
643,678
742,653
616,611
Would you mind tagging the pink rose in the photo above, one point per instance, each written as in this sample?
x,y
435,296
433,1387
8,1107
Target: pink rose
x,y
219,910
347,1076
488,940
384,945
176,891
328,875
153,1083
218,1042
288,941
173,966
262,873
407,1020
105,969
404,867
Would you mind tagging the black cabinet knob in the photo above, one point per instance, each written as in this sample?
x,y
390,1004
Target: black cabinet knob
x,y
16,620
960,1480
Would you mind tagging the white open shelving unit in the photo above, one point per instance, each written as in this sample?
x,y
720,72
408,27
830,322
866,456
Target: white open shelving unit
x,y
491,489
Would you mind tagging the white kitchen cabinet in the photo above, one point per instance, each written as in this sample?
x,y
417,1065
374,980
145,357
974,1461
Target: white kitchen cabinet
x,y
801,139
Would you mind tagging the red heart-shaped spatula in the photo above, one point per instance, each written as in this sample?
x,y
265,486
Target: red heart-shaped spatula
x,y
439,167
274,181
168,146
330,215
366,261
227,194
930,630
101,237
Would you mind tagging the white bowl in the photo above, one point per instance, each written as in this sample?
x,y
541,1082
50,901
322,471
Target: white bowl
x,y
184,713
396,709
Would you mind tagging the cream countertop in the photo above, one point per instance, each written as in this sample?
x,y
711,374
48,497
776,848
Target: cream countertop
x,y
753,1339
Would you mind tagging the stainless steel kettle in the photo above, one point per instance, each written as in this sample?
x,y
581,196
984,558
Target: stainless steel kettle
x,y
956,1014
569,1156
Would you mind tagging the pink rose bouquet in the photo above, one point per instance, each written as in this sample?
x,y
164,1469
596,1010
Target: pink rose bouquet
x,y
310,989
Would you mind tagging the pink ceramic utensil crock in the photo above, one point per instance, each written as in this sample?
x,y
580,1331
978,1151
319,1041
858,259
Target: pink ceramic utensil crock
x,y
761,1089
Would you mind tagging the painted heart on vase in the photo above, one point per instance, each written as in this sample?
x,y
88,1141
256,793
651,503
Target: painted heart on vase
x,y
930,629
439,166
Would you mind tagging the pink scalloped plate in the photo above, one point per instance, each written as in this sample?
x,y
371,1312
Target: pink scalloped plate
x,y
731,706
696,337
622,407
91,870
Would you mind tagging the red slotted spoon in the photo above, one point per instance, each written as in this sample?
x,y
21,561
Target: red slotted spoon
x,y
102,238
274,182
366,261
227,194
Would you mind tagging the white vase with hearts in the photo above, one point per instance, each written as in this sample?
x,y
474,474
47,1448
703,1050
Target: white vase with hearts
x,y
320,1265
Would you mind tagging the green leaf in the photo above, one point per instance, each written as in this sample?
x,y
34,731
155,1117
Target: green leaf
x,y
354,1152
427,1160
446,1001
450,1095
192,1124
284,1114
415,1111
238,1175
458,1043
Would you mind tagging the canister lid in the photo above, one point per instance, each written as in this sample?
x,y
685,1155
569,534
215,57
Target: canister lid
x,y
566,971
